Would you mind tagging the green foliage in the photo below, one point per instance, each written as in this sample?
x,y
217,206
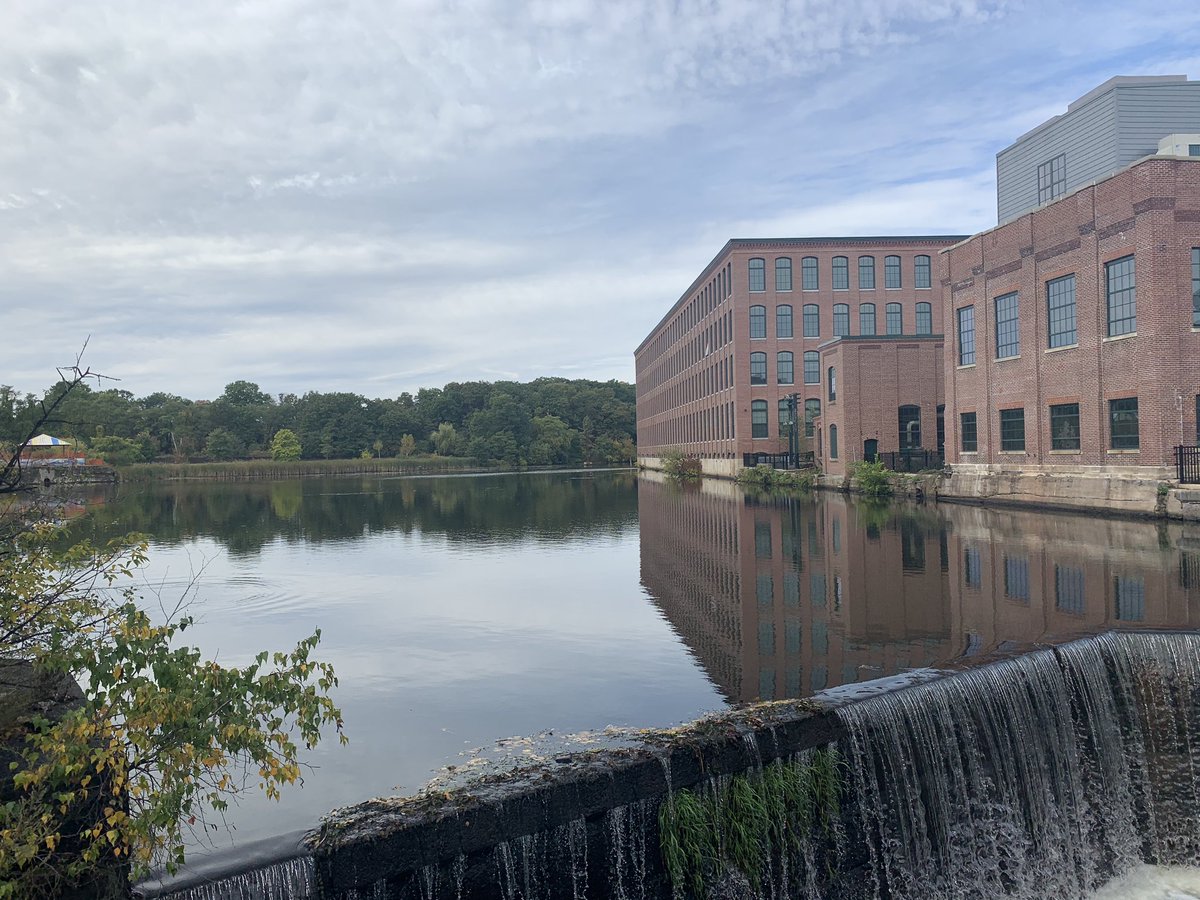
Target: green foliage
x,y
285,446
408,446
222,444
767,477
118,451
445,439
872,478
678,464
754,819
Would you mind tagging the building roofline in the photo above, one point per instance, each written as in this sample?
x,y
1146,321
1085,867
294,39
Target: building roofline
x,y
877,338
754,243
1083,187
1117,81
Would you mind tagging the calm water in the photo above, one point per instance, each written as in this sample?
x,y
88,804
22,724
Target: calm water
x,y
463,610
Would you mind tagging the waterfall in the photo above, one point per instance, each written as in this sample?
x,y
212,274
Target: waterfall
x,y
292,879
1039,776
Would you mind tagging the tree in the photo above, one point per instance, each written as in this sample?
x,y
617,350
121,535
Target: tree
x,y
408,446
445,439
162,736
222,444
285,446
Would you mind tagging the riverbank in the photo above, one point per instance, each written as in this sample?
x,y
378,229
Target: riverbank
x,y
300,468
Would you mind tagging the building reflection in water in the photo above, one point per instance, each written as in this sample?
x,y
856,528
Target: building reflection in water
x,y
783,597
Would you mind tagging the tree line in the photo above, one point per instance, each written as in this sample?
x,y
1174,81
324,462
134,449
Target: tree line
x,y
548,421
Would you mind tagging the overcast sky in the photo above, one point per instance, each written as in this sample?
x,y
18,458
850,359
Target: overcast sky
x,y
376,197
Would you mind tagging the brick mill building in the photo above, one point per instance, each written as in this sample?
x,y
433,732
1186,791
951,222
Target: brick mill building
x,y
1072,330
715,375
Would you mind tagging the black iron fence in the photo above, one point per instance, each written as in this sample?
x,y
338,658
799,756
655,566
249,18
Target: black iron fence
x,y
916,459
778,460
1187,464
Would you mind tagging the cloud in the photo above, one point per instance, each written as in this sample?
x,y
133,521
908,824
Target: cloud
x,y
377,196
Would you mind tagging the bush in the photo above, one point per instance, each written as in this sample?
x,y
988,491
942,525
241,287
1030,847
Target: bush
x,y
766,477
679,465
872,478
285,446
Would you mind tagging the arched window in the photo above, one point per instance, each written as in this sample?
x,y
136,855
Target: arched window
x,y
866,318
910,427
924,318
895,319
812,367
841,273
758,322
833,447
783,273
758,274
831,377
812,320
812,409
866,273
758,419
783,321
841,319
809,273
922,272
891,272
758,368
785,368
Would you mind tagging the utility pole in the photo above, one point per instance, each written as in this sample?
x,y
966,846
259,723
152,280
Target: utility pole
x,y
793,437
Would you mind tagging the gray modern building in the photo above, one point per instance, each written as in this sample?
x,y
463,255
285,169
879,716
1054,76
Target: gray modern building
x,y
1106,129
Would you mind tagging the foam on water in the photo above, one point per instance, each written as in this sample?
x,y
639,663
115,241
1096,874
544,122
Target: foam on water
x,y
1153,883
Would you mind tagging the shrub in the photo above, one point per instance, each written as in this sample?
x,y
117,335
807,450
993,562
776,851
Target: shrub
x,y
677,464
872,478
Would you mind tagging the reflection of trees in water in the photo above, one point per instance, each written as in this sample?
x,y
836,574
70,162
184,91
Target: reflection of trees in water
x,y
244,516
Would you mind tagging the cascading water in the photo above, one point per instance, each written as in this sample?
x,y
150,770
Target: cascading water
x,y
292,879
1040,776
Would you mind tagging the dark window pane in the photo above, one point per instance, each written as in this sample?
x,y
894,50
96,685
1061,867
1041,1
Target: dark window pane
x,y
1016,578
1064,426
1008,333
895,319
812,367
968,430
758,275
808,268
1123,424
866,318
972,567
866,273
812,409
841,273
841,319
758,368
1060,304
966,336
785,368
831,375
1130,594
891,272
1012,429
783,274
833,447
910,427
1196,287
1068,589
1052,179
812,320
924,318
758,322
758,419
1121,287
783,321
922,272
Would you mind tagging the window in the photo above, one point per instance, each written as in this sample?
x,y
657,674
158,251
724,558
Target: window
x,y
1122,296
812,367
968,433
832,376
783,321
891,272
1060,304
924,318
841,319
785,368
1123,424
922,273
758,368
1016,578
783,273
1068,589
812,409
866,318
841,273
895,319
866,273
1012,429
910,427
812,320
1064,426
1130,595
808,272
1052,179
1193,149
758,419
785,417
966,336
758,274
972,567
1196,287
833,448
1008,332
758,322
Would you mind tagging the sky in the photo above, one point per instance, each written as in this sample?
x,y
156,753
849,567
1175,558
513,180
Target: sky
x,y
376,197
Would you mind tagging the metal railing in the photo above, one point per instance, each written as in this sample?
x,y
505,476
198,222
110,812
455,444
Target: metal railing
x,y
778,460
916,459
1187,465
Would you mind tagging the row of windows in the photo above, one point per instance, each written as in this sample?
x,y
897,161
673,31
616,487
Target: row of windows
x,y
712,424
1064,427
707,299
785,370
1121,306
712,379
810,273
811,320
687,353
760,427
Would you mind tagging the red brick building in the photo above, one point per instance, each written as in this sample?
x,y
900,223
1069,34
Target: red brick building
x,y
715,374
1073,332
882,394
